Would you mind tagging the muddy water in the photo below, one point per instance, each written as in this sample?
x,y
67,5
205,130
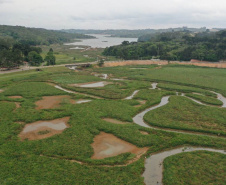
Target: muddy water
x,y
55,126
154,164
65,90
138,119
221,98
154,85
131,97
96,84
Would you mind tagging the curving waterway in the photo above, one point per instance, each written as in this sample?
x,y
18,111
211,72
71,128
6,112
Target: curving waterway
x,y
153,165
153,173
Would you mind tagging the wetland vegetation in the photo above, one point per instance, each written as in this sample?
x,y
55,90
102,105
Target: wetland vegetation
x,y
66,157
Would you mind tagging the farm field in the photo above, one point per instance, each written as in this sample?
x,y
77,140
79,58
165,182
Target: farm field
x,y
60,126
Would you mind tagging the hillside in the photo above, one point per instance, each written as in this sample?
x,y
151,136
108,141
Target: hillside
x,y
37,36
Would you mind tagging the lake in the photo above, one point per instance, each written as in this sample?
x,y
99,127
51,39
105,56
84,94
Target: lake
x,y
101,41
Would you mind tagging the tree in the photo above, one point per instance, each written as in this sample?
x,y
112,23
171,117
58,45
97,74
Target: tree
x,y
50,58
34,58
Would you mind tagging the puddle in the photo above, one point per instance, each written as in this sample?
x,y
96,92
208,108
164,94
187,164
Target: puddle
x,y
131,97
82,101
51,102
92,84
15,97
107,145
65,90
117,79
153,173
44,129
77,48
154,85
103,76
115,121
137,68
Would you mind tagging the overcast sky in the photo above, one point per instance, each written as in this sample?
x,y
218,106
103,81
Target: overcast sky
x,y
113,14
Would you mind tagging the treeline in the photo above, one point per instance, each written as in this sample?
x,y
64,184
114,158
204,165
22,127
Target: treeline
x,y
37,36
132,33
14,54
180,46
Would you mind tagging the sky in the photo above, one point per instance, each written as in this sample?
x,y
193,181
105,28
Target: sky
x,y
113,14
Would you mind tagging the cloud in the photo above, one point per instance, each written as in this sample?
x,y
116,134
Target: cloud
x,y
104,14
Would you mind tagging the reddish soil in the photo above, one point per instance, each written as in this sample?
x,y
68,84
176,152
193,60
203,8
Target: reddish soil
x,y
35,132
51,102
163,62
115,121
15,97
134,62
107,145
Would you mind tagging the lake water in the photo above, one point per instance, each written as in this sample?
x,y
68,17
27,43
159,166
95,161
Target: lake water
x,y
101,41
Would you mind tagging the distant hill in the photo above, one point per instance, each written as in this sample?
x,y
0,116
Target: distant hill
x,y
37,36
132,33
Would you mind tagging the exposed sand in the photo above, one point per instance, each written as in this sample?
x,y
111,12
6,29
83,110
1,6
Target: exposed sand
x,y
51,102
107,145
44,129
15,97
115,121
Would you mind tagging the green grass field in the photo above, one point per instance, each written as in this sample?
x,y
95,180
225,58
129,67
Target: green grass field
x,y
46,161
198,167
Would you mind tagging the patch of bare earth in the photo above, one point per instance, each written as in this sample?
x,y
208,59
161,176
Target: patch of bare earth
x,y
142,102
115,121
107,145
15,97
44,129
17,105
144,133
1,90
51,102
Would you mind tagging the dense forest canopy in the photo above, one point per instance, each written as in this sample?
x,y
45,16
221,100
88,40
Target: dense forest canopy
x,y
181,46
37,36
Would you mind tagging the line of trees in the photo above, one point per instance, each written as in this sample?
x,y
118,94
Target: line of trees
x,y
181,46
13,55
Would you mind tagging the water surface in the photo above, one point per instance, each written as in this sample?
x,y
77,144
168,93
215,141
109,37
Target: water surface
x,y
101,41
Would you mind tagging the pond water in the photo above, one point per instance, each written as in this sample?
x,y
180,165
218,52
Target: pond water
x,y
101,41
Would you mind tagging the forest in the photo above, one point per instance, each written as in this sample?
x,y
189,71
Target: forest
x,y
37,36
19,44
171,46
